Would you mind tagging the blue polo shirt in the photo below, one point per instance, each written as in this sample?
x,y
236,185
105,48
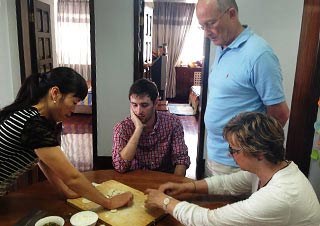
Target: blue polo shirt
x,y
245,76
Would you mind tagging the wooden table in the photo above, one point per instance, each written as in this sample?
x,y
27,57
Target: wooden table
x,y
16,205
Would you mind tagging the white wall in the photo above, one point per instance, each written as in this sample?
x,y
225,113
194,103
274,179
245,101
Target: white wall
x,y
279,23
9,54
114,56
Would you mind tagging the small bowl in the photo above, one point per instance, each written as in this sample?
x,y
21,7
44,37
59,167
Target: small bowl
x,y
51,219
84,218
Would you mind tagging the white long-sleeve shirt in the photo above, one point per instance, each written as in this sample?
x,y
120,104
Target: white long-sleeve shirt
x,y
288,199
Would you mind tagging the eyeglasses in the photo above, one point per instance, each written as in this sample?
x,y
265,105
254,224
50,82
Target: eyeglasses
x,y
212,23
233,151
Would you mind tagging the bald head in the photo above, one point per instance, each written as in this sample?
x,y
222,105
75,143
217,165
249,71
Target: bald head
x,y
222,5
219,19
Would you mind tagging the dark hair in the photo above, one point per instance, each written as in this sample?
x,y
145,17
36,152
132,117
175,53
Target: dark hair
x,y
257,133
36,86
143,87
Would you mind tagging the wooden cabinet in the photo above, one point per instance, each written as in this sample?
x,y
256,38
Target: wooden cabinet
x,y
184,81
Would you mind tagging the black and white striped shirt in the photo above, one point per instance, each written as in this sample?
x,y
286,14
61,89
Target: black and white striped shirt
x,y
21,133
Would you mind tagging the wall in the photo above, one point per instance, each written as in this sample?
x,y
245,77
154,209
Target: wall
x,y
114,61
10,80
266,18
9,55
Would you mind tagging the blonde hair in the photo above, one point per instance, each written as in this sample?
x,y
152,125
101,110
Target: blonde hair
x,y
256,134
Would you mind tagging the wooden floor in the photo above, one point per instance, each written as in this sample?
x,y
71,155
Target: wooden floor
x,y
190,127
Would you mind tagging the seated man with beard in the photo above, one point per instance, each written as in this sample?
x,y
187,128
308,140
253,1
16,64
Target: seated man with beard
x,y
149,139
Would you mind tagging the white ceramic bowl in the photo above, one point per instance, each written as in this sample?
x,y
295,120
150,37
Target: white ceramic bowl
x,y
51,219
84,218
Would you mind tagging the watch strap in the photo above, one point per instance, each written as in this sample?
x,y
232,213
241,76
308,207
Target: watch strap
x,y
166,202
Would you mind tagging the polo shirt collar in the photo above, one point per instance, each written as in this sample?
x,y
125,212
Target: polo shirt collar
x,y
242,37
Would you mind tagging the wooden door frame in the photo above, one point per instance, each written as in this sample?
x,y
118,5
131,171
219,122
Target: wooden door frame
x,y
27,37
305,96
200,162
138,21
306,90
25,45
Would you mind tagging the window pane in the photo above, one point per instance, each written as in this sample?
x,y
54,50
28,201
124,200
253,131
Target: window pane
x,y
193,46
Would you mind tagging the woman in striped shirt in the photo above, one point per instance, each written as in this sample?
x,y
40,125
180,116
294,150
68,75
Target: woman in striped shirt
x,y
28,135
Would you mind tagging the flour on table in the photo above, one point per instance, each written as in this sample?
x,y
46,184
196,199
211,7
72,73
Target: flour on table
x,y
84,200
113,192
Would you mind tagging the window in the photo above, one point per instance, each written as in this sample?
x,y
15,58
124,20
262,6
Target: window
x,y
73,36
192,50
74,43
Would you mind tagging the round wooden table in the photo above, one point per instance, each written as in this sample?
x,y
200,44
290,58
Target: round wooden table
x,y
42,196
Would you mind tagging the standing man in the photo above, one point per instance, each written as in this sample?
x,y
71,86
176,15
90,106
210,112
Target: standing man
x,y
149,139
245,76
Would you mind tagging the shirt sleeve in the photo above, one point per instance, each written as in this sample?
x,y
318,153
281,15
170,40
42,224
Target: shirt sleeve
x,y
238,183
38,133
179,147
120,140
267,78
262,208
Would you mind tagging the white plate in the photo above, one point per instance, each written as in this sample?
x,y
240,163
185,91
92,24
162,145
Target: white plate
x,y
84,218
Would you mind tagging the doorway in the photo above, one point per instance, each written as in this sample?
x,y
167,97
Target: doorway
x,y
40,49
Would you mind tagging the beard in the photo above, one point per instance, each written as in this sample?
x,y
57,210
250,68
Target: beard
x,y
145,119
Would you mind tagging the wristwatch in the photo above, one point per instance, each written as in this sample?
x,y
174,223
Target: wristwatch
x,y
166,202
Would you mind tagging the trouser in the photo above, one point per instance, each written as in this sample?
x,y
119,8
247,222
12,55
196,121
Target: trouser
x,y
213,168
